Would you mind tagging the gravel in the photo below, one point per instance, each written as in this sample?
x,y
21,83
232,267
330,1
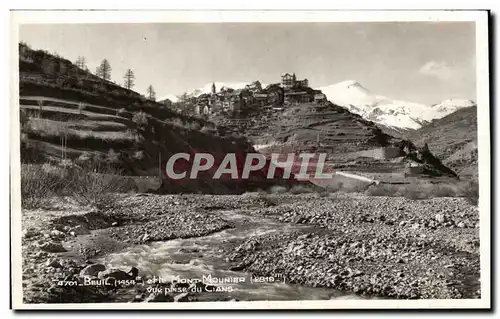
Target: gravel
x,y
386,247
381,246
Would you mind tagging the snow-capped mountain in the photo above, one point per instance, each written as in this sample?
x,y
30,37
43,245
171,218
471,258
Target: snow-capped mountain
x,y
393,113
207,88
453,105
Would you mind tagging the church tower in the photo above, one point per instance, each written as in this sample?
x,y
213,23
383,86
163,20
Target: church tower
x,y
213,88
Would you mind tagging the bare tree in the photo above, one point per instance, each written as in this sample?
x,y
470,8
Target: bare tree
x,y
129,79
151,93
104,70
81,63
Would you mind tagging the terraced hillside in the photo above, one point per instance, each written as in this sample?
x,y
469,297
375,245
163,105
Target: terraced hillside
x,y
351,142
68,114
453,139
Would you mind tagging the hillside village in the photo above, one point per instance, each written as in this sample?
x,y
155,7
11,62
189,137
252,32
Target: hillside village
x,y
253,96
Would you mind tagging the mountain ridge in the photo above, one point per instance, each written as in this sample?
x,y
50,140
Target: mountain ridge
x,y
386,111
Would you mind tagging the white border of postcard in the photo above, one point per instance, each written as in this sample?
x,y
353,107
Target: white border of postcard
x,y
479,17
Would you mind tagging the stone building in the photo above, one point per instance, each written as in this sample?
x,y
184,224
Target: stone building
x,y
289,81
319,98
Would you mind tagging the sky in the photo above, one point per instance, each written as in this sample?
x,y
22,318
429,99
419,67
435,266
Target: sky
x,y
424,62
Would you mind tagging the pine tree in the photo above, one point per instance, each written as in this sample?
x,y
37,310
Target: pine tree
x,y
104,70
81,63
151,93
129,79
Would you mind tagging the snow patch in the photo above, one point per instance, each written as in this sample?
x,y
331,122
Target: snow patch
x,y
393,113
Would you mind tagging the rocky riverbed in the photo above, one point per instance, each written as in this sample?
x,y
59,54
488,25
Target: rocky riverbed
x,y
370,246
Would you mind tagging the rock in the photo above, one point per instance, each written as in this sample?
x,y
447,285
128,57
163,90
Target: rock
x,y
237,268
113,273
159,297
40,254
79,230
30,232
356,244
146,237
56,233
439,218
52,247
181,297
304,236
114,224
92,270
53,263
461,225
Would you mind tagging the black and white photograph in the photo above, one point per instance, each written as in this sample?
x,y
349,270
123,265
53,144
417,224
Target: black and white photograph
x,y
250,160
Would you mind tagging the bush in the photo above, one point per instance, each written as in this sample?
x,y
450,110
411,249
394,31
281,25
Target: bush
x,y
415,192
121,112
24,120
96,187
301,189
383,190
138,155
471,192
208,130
113,157
277,189
140,118
38,186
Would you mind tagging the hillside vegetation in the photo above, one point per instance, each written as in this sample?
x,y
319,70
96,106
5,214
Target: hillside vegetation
x,y
70,115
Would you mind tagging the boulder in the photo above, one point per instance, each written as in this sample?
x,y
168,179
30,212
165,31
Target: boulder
x,y
30,232
92,270
53,263
56,233
440,218
113,273
79,230
52,247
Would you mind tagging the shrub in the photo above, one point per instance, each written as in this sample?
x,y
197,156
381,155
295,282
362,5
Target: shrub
x,y
471,192
194,126
98,185
113,157
37,186
276,189
24,119
334,187
208,130
301,189
84,159
383,190
443,191
138,155
140,118
416,192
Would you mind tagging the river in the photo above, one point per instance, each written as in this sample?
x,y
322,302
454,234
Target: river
x,y
204,258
